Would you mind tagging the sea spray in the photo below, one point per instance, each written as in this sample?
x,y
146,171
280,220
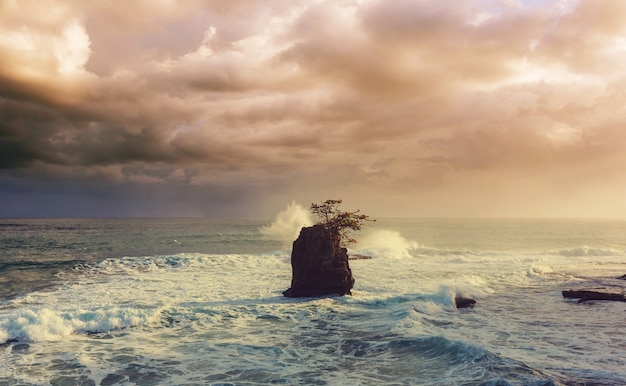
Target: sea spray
x,y
288,223
39,324
385,243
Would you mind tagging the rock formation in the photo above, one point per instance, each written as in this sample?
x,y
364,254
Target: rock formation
x,y
319,265
462,302
586,295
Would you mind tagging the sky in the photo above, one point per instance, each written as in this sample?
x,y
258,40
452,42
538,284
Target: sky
x,y
214,108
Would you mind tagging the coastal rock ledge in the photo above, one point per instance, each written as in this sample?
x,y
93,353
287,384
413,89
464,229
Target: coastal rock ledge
x,y
319,265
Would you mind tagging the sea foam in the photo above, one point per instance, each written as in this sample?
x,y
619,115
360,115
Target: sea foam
x,y
287,224
200,318
43,324
385,243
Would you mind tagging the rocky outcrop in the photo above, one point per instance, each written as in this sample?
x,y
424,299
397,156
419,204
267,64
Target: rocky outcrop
x,y
462,302
319,265
586,295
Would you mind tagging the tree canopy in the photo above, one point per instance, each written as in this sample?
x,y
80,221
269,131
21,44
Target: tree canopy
x,y
338,223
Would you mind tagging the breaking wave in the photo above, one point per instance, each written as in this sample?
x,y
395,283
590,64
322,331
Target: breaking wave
x,y
385,243
587,251
287,224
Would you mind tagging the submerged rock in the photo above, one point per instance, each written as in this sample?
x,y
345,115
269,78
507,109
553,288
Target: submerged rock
x,y
20,347
462,302
319,265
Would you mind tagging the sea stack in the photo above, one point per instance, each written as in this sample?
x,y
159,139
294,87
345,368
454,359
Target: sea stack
x,y
319,265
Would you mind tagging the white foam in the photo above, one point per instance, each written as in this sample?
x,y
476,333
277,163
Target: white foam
x,y
387,243
43,324
287,224
193,315
587,251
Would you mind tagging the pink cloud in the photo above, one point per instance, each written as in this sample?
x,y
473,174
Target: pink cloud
x,y
432,99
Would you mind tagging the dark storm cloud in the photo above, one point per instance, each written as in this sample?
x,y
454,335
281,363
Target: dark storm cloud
x,y
278,99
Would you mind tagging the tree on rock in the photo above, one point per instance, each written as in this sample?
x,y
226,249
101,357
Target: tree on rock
x,y
339,224
319,259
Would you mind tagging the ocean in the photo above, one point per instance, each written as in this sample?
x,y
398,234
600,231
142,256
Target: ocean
x,y
199,302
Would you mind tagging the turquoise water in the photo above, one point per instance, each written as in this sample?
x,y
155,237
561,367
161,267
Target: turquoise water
x,y
198,301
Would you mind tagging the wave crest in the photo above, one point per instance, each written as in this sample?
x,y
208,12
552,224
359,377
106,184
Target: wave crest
x,y
587,251
43,324
386,243
287,224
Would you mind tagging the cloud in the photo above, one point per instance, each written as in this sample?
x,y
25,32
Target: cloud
x,y
372,98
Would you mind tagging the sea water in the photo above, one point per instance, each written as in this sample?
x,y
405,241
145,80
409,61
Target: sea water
x,y
198,302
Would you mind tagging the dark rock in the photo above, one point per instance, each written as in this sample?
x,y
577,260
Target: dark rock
x,y
585,295
7,342
623,277
20,347
359,257
462,302
319,265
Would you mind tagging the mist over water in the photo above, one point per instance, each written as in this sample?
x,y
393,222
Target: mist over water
x,y
287,224
383,242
